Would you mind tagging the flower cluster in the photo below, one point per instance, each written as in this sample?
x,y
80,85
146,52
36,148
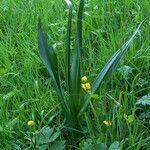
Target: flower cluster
x,y
85,84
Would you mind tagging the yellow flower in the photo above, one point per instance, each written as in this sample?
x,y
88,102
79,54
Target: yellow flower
x,y
83,86
84,79
86,86
107,123
30,123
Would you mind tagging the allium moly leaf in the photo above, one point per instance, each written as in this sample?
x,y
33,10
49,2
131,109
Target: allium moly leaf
x,y
48,56
113,62
75,71
68,45
50,60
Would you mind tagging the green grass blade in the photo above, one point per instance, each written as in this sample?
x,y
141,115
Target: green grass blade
x,y
68,43
50,60
113,62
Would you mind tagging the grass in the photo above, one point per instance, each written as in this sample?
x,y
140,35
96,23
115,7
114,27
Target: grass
x,y
26,92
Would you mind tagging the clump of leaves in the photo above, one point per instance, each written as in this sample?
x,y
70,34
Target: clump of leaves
x,y
43,139
75,104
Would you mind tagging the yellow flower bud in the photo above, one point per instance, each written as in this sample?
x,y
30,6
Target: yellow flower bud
x,y
84,79
30,123
107,123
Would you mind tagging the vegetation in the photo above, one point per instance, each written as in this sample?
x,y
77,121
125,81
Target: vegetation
x,y
93,110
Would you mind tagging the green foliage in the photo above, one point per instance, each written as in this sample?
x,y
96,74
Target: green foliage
x,y
44,139
50,60
75,105
25,88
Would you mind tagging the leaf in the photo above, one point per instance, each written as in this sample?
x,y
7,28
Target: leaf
x,y
45,135
50,60
113,62
76,65
145,100
48,56
54,136
68,44
114,146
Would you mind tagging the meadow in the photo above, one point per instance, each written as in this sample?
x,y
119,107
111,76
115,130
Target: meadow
x,y
118,113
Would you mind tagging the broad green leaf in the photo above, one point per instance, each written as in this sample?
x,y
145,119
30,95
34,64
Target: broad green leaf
x,y
113,62
145,100
68,43
50,60
114,146
76,66
54,136
79,26
45,135
48,56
